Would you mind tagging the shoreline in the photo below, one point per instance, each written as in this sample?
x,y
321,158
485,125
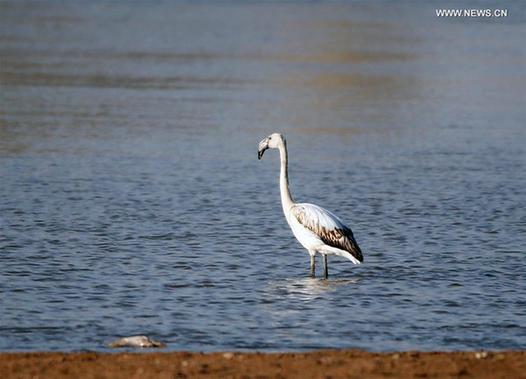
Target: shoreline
x,y
315,364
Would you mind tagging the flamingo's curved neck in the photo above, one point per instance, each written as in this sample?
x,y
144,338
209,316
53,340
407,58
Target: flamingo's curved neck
x,y
286,199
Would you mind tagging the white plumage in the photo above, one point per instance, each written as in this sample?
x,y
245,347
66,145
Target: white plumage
x,y
318,230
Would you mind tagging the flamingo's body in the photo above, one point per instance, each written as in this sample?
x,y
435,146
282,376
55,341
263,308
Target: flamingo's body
x,y
318,230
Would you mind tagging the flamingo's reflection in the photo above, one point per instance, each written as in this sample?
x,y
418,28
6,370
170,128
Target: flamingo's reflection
x,y
307,289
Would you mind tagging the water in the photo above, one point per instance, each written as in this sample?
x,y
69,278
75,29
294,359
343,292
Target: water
x,y
132,201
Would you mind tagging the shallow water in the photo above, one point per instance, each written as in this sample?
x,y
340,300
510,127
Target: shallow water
x,y
132,201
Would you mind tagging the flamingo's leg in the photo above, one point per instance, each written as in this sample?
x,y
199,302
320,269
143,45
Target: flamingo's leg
x,y
312,265
325,267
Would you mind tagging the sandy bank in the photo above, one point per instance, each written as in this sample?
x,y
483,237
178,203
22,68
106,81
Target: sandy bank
x,y
319,364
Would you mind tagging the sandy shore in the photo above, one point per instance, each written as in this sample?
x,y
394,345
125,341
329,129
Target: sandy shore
x,y
319,364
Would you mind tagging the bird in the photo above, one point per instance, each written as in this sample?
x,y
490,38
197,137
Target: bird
x,y
318,230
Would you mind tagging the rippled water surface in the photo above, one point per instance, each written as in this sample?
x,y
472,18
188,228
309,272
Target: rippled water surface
x,y
132,200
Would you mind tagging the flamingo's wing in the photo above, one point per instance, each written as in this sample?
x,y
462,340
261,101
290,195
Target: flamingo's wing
x,y
328,227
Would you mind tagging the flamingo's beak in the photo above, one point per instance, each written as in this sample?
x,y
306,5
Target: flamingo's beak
x,y
263,145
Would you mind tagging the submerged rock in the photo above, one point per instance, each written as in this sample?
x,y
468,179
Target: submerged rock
x,y
136,341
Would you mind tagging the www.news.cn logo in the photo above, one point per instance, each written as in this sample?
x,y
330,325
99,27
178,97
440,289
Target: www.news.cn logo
x,y
471,13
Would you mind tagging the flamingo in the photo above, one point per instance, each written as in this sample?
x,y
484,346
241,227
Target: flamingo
x,y
317,230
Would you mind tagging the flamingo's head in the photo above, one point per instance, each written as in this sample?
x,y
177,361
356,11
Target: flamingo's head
x,y
271,142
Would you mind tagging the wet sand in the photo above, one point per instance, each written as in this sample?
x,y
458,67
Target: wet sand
x,y
333,364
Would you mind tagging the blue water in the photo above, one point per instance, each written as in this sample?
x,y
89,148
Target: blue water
x,y
132,200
